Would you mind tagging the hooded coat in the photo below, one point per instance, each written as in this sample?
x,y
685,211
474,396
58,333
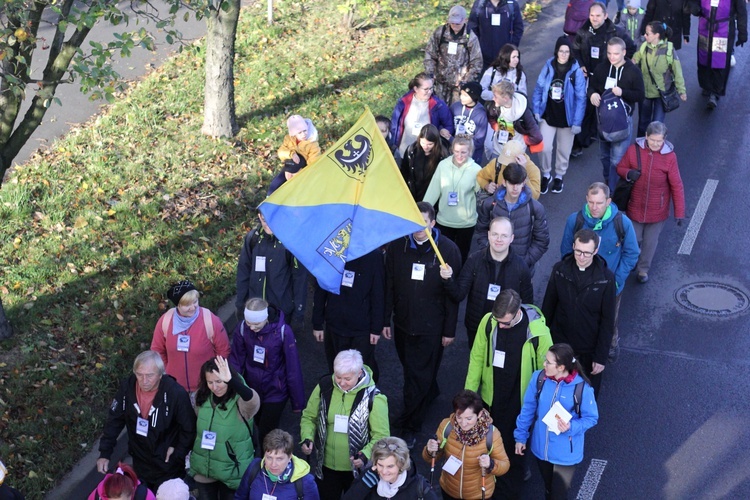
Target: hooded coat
x,y
309,148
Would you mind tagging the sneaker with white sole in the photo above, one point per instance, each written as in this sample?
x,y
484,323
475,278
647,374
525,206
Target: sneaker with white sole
x,y
544,186
557,185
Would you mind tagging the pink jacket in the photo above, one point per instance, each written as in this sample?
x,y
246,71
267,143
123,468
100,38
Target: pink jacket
x,y
100,491
659,182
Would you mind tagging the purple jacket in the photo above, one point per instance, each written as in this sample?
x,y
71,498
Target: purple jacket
x,y
279,375
440,116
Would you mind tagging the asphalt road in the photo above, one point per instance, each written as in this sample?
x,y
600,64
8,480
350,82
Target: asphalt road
x,y
674,423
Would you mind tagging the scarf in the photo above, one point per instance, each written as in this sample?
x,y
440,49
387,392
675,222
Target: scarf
x,y
599,222
389,490
285,475
181,324
568,379
477,433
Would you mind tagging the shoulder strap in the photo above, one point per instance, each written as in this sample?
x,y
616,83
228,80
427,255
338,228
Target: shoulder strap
x,y
489,439
579,222
208,324
497,170
442,35
282,332
299,487
577,397
447,431
539,384
141,492
638,155
512,14
254,470
165,321
619,228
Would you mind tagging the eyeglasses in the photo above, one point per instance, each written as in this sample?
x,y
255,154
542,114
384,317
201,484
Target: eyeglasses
x,y
389,446
428,89
581,253
548,362
504,323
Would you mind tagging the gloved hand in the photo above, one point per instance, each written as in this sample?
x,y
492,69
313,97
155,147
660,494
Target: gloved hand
x,y
576,129
740,42
537,117
633,175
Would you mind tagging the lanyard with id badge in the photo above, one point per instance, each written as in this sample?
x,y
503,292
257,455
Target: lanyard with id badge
x,y
453,195
208,440
183,343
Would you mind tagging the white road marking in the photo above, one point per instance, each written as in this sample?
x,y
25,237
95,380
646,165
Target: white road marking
x,y
698,215
591,480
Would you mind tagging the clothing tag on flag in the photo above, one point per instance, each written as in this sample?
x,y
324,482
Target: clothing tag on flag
x,y
493,291
260,264
341,424
259,354
208,441
498,360
452,199
452,48
141,427
417,272
348,278
183,343
452,465
495,19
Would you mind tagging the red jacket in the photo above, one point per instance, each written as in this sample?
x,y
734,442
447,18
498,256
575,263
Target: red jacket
x,y
660,180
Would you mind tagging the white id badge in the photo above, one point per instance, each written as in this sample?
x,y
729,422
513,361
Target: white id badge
x,y
557,93
502,136
260,264
208,441
495,19
183,343
498,360
348,278
460,129
452,465
452,48
719,44
610,83
266,496
452,199
259,354
417,272
416,128
141,427
594,52
341,424
493,291
714,3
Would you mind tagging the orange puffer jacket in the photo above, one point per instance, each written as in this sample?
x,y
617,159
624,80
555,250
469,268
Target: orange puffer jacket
x,y
466,483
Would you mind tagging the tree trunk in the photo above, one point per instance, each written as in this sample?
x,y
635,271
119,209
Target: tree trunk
x,y
219,118
6,330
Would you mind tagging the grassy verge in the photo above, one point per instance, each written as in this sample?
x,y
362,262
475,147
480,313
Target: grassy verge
x,y
95,229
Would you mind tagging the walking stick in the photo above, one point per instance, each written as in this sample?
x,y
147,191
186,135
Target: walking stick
x,y
484,489
432,463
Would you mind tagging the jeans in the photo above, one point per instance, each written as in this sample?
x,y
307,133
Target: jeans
x,y
652,110
610,153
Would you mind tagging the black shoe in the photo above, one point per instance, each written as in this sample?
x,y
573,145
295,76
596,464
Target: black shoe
x,y
642,278
576,152
557,185
544,186
705,93
617,18
713,101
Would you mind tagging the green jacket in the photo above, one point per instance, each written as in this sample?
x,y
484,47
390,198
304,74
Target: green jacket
x,y
337,443
660,58
233,451
480,377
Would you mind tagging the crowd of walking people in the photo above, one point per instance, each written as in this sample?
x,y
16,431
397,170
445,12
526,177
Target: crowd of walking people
x,y
202,409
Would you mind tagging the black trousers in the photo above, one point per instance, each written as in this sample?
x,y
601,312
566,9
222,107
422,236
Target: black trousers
x,y
334,483
586,363
420,355
460,236
214,491
334,344
508,486
557,479
268,418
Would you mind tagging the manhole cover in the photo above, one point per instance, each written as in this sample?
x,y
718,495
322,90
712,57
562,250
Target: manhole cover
x,y
715,299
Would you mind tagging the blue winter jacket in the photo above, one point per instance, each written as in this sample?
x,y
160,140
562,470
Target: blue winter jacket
x,y
621,257
567,447
573,93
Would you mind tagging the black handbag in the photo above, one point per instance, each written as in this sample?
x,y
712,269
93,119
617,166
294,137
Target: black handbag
x,y
670,99
624,187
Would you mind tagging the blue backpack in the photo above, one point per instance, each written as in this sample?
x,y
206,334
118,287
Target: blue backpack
x,y
613,116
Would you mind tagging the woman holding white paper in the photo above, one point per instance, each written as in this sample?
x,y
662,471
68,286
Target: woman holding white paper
x,y
552,397
472,448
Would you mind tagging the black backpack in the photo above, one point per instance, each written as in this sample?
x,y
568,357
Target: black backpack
x,y
255,469
577,392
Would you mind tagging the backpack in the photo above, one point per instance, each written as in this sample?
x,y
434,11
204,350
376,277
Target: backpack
x,y
576,15
255,469
207,323
466,45
613,116
577,392
619,228
511,14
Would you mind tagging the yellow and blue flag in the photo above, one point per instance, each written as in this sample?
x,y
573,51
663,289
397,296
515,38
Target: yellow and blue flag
x,y
352,200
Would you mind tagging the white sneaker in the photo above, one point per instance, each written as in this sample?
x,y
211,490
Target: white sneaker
x,y
733,61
